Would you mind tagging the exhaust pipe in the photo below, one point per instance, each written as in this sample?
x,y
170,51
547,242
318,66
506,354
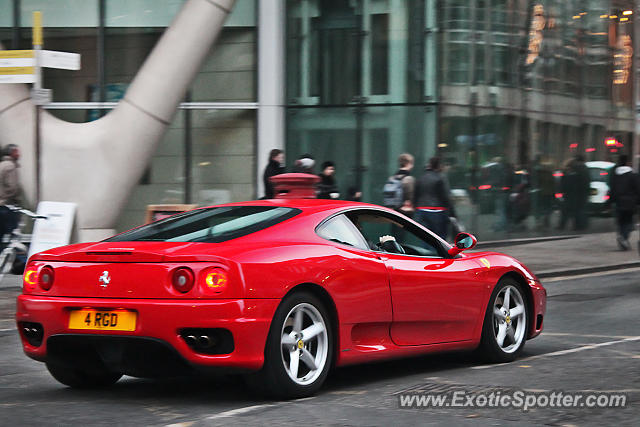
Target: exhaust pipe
x,y
191,341
205,341
33,332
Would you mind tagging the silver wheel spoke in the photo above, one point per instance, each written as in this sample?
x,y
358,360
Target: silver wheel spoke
x,y
312,331
308,359
287,340
518,310
297,321
294,362
507,298
498,313
502,333
304,344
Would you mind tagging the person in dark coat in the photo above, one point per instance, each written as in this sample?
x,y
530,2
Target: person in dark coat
x,y
327,188
10,189
583,188
433,205
275,167
625,194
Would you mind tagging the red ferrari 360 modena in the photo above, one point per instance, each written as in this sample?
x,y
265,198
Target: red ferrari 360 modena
x,y
281,290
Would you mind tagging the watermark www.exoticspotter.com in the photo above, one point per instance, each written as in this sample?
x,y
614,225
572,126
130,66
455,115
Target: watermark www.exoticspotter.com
x,y
521,399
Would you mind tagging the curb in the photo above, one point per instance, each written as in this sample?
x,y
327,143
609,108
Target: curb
x,y
587,270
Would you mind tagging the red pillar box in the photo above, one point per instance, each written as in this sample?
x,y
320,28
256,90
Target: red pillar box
x,y
295,185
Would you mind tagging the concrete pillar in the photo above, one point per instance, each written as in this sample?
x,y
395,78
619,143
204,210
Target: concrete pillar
x,y
271,84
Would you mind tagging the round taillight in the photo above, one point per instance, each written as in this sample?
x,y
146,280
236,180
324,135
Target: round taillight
x,y
30,279
45,278
182,279
216,280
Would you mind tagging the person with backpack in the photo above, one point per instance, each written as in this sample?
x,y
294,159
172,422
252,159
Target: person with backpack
x,y
398,190
432,201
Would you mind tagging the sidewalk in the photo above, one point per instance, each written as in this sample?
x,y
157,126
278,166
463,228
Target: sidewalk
x,y
569,256
565,255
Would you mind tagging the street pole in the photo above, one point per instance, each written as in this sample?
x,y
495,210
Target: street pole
x,y
37,86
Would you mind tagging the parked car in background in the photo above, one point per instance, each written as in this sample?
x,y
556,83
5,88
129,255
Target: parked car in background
x,y
600,176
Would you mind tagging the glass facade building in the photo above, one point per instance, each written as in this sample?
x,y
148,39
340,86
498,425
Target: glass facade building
x,y
525,84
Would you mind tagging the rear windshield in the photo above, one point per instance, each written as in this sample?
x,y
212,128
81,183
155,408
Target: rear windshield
x,y
212,225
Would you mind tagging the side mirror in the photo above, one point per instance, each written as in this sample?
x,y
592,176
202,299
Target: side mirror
x,y
463,242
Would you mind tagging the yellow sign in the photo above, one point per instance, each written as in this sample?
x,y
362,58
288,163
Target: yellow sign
x,y
16,54
37,29
112,320
12,71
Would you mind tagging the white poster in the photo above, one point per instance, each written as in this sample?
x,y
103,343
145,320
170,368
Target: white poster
x,y
56,229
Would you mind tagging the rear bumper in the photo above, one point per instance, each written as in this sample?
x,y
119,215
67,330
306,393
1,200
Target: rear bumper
x,y
248,320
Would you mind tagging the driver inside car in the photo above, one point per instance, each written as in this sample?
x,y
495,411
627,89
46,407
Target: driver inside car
x,y
389,244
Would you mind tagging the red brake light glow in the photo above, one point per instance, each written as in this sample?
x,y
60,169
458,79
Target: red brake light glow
x,y
45,278
182,279
30,279
484,187
216,280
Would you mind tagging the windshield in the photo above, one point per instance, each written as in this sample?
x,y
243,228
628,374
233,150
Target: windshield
x,y
212,225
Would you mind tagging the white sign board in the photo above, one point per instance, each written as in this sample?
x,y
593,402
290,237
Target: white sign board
x,y
60,60
56,229
18,78
17,66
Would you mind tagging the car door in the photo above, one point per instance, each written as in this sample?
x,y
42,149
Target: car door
x,y
435,298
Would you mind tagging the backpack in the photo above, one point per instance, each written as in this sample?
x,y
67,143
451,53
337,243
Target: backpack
x,y
392,193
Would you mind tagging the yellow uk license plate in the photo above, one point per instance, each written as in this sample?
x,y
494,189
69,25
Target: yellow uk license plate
x,y
103,320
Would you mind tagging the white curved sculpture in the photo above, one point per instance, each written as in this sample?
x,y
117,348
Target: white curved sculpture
x,y
97,164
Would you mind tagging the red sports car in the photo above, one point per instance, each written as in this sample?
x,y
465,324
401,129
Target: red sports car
x,y
281,290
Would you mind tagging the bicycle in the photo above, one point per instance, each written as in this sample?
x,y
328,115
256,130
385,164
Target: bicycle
x,y
13,241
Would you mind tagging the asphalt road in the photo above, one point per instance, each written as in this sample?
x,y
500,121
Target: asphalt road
x,y
591,344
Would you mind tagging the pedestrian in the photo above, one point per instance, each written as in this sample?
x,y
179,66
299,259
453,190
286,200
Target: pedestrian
x,y
327,187
275,167
500,184
353,194
432,199
568,185
304,164
398,192
9,188
583,183
543,185
625,194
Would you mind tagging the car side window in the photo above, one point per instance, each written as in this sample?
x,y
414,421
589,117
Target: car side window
x,y
386,233
340,230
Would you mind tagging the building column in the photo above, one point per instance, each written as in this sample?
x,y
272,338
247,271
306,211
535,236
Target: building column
x,y
271,84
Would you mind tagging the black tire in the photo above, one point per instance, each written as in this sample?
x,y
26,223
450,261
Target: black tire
x,y
78,378
490,350
274,380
